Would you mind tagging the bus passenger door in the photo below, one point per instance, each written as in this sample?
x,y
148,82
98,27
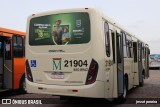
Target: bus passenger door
x,y
1,61
136,71
8,68
120,64
117,44
18,60
140,61
147,52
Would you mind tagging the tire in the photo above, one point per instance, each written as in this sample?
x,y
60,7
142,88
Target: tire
x,y
141,83
122,98
23,85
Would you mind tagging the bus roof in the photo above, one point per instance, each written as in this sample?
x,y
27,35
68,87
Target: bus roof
x,y
10,31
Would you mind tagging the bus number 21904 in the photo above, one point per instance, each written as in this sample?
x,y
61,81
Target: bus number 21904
x,y
75,63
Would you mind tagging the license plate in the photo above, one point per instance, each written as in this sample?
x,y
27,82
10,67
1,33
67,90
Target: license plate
x,y
57,75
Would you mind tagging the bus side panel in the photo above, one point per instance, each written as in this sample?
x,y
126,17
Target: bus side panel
x,y
19,69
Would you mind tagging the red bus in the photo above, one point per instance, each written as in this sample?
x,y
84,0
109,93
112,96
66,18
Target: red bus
x,y
12,60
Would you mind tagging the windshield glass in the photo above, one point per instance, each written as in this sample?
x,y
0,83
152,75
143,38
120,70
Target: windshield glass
x,y
60,29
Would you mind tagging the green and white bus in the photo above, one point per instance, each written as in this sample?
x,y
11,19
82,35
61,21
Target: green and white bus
x,y
82,53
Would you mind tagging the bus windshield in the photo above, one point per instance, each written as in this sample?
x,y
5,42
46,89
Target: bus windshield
x,y
60,29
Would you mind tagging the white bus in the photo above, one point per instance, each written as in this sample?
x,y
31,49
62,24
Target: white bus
x,y
82,53
154,61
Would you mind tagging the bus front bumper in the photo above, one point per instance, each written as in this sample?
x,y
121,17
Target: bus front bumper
x,y
95,90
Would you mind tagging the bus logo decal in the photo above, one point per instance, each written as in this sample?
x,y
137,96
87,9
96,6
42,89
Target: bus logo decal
x,y
33,63
57,63
78,23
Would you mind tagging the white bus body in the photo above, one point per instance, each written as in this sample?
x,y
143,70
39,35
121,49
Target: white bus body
x,y
99,59
154,61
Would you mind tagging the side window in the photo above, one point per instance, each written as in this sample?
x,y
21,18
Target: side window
x,y
118,40
0,45
24,39
17,46
124,45
7,45
129,46
135,51
113,46
107,39
1,49
143,51
140,52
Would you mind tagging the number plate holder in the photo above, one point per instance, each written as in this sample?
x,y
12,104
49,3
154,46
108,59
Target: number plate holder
x,y
57,75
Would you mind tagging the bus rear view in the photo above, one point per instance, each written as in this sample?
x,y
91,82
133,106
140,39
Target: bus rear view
x,y
59,58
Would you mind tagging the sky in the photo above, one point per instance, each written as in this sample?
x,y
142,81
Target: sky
x,y
141,17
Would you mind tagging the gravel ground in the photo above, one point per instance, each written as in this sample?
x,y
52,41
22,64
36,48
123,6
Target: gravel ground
x,y
151,89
